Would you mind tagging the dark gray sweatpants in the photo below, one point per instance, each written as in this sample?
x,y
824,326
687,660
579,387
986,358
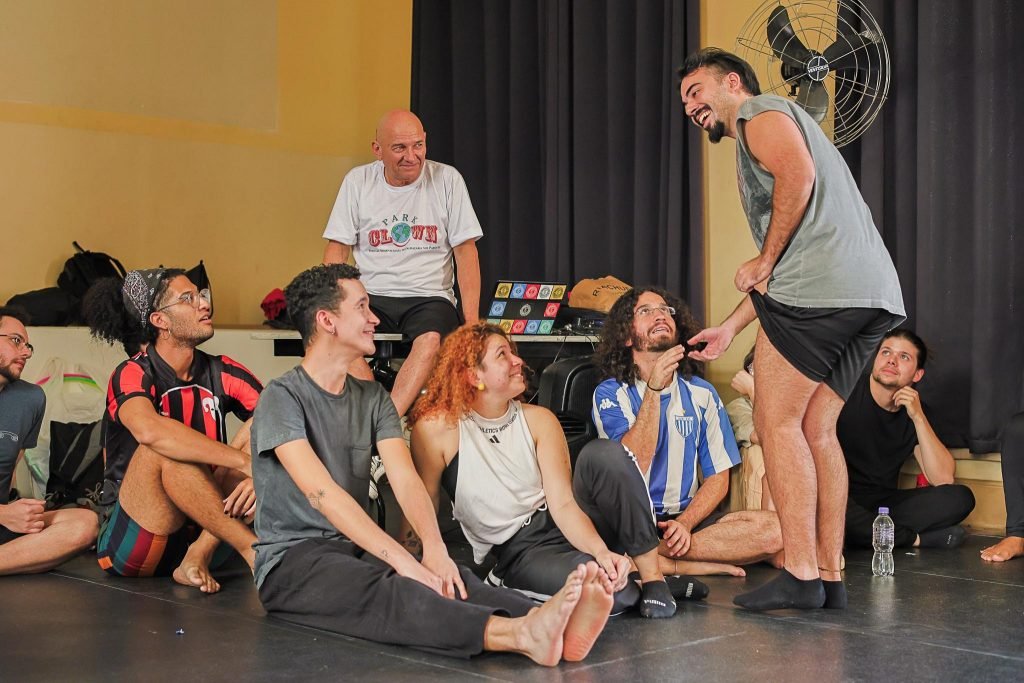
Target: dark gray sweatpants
x,y
335,586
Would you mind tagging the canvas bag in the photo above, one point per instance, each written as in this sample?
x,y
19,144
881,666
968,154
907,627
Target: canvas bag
x,y
72,396
598,294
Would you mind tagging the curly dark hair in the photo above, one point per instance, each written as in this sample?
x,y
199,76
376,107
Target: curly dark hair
x,y
721,62
615,358
108,318
316,289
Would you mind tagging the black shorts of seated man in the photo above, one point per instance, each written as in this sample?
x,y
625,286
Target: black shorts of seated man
x,y
173,488
505,465
32,539
410,225
879,427
322,562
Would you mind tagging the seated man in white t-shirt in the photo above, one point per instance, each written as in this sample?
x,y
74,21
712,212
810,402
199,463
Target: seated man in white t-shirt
x,y
405,217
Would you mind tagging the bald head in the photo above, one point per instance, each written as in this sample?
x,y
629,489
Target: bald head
x,y
401,144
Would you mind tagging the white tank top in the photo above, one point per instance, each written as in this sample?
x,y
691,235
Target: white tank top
x,y
499,483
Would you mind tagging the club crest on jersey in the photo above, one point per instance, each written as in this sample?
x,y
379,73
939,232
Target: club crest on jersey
x,y
211,404
684,425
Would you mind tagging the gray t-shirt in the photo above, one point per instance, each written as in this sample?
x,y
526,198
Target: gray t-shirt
x,y
21,413
341,429
836,258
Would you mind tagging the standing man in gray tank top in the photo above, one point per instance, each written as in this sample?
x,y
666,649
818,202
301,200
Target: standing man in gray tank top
x,y
824,290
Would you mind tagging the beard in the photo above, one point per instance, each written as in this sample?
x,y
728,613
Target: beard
x,y
10,373
658,345
716,132
887,383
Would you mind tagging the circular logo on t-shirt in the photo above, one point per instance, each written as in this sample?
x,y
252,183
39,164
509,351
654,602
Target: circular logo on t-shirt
x,y
400,233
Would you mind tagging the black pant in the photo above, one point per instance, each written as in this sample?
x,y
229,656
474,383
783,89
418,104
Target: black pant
x,y
610,489
539,557
912,511
1013,474
335,586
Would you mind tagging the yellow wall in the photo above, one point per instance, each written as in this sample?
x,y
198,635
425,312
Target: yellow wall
x,y
170,132
727,235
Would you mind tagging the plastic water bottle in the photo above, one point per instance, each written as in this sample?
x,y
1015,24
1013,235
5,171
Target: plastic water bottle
x,y
883,535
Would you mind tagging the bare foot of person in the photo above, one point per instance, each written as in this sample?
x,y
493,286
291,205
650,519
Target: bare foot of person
x,y
1007,549
670,567
194,572
589,617
540,636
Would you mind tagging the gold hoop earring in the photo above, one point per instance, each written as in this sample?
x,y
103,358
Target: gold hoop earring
x,y
480,386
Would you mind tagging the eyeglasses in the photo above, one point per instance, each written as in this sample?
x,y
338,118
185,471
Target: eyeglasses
x,y
20,343
191,299
645,311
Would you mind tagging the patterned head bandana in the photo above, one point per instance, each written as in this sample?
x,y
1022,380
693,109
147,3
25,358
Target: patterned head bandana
x,y
138,290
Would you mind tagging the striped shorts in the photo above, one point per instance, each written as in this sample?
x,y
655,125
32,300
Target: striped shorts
x,y
126,549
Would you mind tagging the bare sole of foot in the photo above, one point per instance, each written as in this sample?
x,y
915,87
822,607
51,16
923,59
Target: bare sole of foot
x,y
1006,549
543,630
589,617
195,574
691,568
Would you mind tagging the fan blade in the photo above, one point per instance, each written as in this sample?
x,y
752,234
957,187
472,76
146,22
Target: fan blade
x,y
813,98
848,50
783,40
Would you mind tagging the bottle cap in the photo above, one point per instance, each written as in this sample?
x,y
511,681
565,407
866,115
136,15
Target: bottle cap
x,y
883,511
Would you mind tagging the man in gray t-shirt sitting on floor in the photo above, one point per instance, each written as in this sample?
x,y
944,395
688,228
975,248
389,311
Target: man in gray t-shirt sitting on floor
x,y
31,539
322,562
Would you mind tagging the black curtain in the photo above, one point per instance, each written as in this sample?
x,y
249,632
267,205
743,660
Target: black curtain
x,y
943,171
564,117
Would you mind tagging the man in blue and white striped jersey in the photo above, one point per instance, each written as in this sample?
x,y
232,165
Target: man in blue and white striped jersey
x,y
673,422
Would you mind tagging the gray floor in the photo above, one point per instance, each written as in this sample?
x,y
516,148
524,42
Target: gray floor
x,y
946,615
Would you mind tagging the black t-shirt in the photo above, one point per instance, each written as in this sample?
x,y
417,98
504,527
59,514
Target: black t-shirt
x,y
875,442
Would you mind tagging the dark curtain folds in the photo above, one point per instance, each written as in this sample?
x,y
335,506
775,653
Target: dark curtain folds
x,y
564,117
942,170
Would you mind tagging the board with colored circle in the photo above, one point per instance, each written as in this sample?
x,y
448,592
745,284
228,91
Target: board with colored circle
x,y
523,307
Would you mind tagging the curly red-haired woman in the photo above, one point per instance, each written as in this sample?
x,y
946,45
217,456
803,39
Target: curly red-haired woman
x,y
505,465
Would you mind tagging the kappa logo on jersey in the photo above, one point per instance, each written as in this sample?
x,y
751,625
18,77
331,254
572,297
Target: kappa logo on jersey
x,y
684,425
211,404
605,404
9,435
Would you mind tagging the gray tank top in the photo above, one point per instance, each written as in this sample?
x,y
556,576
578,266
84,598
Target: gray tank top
x,y
836,258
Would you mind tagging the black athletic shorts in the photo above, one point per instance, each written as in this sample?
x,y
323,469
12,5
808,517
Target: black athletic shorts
x,y
6,535
830,345
415,315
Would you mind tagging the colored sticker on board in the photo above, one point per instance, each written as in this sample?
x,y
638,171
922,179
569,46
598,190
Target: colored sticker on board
x,y
532,327
525,310
531,291
493,321
498,308
558,291
518,326
551,310
518,290
545,326
544,292
503,289
506,325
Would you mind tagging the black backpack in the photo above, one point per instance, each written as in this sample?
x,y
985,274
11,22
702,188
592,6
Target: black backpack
x,y
85,268
76,464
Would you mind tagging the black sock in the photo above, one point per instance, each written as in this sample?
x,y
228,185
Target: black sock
x,y
949,537
656,600
783,592
835,594
687,588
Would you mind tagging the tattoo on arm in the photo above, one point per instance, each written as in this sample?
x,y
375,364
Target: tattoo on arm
x,y
316,498
412,542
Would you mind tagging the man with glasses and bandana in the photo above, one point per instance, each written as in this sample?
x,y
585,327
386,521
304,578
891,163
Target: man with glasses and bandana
x,y
672,422
173,487
31,539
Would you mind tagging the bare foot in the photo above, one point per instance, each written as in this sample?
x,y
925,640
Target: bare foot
x,y
194,572
540,635
591,614
1007,549
671,567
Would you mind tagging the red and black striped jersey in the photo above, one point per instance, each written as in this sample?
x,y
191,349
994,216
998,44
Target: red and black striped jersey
x,y
217,386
